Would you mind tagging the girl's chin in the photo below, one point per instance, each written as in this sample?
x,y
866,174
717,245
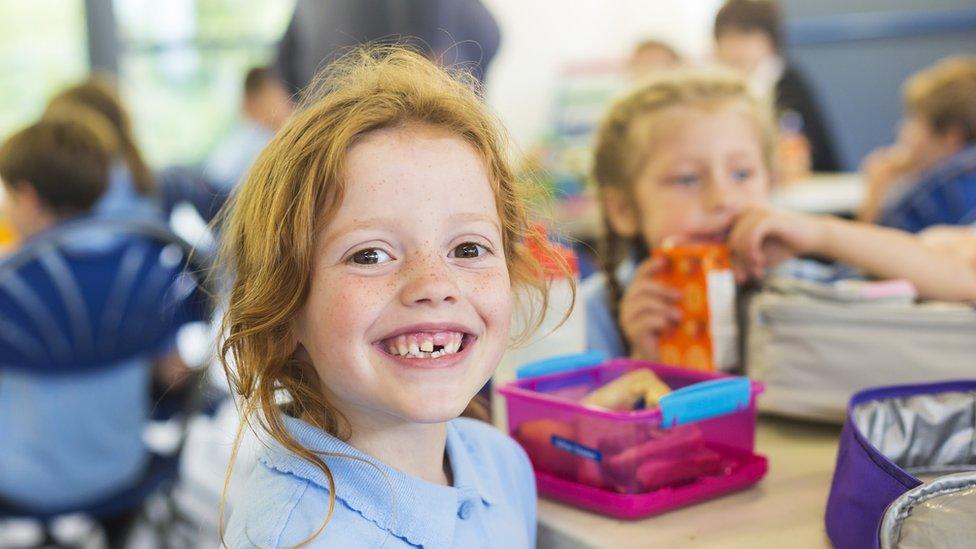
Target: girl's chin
x,y
433,414
433,406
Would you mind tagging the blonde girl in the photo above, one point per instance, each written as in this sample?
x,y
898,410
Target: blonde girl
x,y
687,157
376,247
132,189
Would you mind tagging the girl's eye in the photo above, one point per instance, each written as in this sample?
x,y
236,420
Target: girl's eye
x,y
469,250
370,256
742,175
684,180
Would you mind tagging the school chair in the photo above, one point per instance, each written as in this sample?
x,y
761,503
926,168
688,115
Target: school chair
x,y
85,298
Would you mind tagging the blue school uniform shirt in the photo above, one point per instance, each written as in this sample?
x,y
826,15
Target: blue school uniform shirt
x,y
946,195
72,438
231,160
121,200
286,499
603,335
601,328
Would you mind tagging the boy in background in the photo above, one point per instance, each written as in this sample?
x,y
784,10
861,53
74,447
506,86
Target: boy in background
x,y
54,170
264,108
74,437
928,177
265,105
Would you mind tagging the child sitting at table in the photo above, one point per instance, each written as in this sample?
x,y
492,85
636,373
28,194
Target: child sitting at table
x,y
55,170
928,176
72,438
686,158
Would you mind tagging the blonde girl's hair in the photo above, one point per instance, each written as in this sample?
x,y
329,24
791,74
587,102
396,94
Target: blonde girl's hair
x,y
100,93
294,189
627,135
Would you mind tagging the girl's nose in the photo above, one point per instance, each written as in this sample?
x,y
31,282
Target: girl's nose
x,y
428,281
719,194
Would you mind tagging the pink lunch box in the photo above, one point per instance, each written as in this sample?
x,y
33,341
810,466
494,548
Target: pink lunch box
x,y
696,445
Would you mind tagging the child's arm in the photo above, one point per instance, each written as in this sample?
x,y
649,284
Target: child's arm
x,y
761,238
954,240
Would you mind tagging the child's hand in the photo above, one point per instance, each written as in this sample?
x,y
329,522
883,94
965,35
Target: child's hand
x,y
885,165
762,238
882,169
647,309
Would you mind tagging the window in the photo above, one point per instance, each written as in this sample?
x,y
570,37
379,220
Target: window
x,y
42,48
182,64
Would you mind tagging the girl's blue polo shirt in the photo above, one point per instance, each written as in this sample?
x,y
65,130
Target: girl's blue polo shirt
x,y
492,502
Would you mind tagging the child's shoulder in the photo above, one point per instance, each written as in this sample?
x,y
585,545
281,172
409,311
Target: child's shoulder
x,y
601,328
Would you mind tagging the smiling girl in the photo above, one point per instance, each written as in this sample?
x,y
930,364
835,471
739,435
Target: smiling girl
x,y
377,251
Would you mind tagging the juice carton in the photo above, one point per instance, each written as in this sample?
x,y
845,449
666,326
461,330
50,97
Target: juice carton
x,y
707,336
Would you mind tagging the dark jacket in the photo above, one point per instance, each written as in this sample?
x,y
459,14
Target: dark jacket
x,y
793,94
464,31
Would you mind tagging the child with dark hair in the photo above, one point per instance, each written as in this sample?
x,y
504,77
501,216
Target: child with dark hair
x,y
265,106
54,170
69,438
749,38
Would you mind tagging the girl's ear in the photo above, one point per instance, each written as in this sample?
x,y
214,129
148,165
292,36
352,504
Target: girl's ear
x,y
294,341
621,213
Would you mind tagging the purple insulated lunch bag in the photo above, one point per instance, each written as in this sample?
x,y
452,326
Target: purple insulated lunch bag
x,y
906,468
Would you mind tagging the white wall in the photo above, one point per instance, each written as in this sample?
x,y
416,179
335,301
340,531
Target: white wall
x,y
541,36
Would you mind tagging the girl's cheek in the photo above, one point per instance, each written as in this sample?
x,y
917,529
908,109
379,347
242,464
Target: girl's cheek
x,y
346,298
493,288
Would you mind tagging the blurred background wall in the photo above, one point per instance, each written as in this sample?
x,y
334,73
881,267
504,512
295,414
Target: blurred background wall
x,y
180,62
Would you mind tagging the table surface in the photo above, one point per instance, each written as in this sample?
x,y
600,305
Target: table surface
x,y
834,193
785,509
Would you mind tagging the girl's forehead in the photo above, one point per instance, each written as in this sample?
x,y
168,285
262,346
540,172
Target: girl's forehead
x,y
696,129
404,134
414,173
404,156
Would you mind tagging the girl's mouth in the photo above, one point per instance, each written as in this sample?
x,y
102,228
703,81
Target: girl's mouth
x,y
713,237
426,344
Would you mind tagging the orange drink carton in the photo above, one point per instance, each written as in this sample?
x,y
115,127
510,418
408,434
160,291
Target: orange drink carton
x,y
707,336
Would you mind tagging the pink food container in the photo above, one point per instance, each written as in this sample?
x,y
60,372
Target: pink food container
x,y
696,445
